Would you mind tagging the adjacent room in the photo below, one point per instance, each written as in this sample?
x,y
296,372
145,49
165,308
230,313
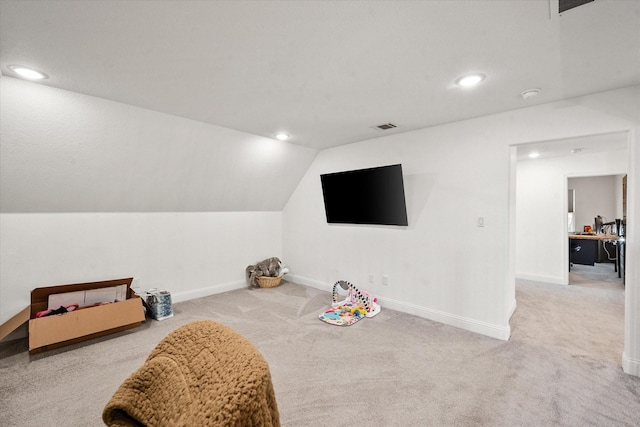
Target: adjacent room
x,y
494,151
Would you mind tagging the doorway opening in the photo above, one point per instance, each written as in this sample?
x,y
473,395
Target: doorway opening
x,y
540,207
541,225
596,222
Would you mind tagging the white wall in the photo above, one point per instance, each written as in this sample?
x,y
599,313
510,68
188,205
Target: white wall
x,y
442,266
92,189
631,355
596,195
541,208
619,213
191,254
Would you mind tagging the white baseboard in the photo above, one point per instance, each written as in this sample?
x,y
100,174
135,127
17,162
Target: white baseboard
x,y
473,325
483,328
205,292
323,286
630,366
541,278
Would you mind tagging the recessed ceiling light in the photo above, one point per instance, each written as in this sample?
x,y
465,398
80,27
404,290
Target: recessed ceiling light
x,y
576,150
529,93
534,154
470,80
28,73
282,136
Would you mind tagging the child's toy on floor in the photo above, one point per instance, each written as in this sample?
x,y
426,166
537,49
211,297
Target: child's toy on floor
x,y
356,306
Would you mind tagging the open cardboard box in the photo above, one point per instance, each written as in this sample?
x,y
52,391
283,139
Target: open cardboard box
x,y
46,333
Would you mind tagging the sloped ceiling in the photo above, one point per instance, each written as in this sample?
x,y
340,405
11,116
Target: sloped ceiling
x,y
326,72
64,152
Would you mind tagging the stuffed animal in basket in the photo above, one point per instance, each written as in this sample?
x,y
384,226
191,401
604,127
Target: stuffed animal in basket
x,y
270,267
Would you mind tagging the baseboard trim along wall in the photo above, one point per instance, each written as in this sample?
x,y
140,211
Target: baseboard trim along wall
x,y
323,286
483,328
541,278
630,366
205,292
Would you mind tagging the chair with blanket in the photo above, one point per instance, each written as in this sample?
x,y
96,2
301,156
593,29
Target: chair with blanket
x,y
201,374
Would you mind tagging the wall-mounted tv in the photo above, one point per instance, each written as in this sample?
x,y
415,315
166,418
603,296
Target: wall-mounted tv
x,y
365,196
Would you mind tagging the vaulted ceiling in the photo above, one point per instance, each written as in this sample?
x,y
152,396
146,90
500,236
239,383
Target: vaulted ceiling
x,y
325,72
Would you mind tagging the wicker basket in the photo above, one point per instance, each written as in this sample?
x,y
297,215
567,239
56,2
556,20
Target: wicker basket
x,y
268,282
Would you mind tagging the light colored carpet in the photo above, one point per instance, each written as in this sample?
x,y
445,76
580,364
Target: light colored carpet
x,y
598,275
560,367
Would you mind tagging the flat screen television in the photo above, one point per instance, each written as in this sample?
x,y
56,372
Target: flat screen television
x,y
365,196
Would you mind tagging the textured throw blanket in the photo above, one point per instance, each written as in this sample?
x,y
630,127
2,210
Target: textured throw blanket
x,y
201,374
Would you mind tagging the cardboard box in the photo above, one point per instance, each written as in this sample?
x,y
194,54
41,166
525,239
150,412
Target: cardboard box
x,y
46,333
15,322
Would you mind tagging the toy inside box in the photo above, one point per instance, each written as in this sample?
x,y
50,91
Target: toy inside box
x,y
93,310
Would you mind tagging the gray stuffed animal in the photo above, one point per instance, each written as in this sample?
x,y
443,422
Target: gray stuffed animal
x,y
269,267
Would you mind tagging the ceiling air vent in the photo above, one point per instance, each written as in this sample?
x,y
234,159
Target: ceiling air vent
x,y
564,5
386,126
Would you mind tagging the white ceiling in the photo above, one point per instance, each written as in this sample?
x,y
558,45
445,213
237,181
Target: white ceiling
x,y
590,144
326,72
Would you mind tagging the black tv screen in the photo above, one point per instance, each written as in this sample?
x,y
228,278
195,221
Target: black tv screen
x,y
365,196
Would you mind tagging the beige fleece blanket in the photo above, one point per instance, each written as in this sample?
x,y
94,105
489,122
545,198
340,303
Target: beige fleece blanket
x,y
201,374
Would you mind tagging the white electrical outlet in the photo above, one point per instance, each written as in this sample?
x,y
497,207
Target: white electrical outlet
x,y
385,280
371,278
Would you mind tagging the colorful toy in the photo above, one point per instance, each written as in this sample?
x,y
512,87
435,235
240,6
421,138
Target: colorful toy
x,y
355,297
356,306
